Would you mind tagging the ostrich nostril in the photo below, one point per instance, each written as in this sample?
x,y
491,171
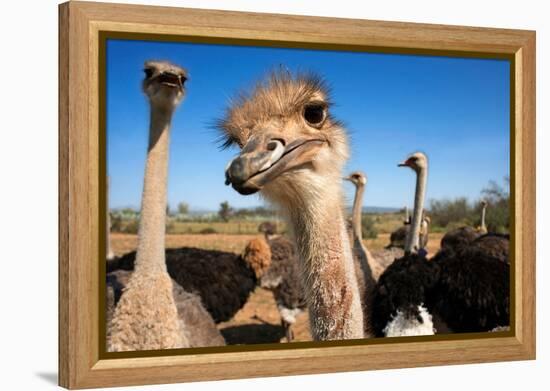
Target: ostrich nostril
x,y
276,149
274,144
227,174
238,171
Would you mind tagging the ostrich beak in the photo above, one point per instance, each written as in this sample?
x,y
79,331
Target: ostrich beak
x,y
265,157
405,163
172,80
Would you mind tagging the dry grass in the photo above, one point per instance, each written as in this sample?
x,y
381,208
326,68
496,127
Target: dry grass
x,y
386,223
384,239
124,243
236,227
258,321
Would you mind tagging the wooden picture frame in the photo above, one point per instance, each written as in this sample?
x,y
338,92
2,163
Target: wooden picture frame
x,y
83,25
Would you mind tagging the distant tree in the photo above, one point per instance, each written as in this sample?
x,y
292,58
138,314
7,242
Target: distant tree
x,y
225,211
167,209
183,208
259,211
495,193
498,209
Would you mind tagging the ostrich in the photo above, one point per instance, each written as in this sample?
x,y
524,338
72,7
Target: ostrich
x,y
465,292
488,243
370,264
283,278
491,243
223,280
424,235
483,228
146,316
459,238
367,267
399,236
293,151
464,236
398,305
200,328
494,245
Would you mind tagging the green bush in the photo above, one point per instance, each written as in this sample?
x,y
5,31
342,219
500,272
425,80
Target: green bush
x,y
444,212
449,214
131,227
116,223
498,210
170,226
368,227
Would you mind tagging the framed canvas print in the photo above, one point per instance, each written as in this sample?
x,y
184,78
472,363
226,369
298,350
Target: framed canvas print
x,y
247,195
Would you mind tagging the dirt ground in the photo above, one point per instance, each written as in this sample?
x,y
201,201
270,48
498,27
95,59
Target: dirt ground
x,y
258,321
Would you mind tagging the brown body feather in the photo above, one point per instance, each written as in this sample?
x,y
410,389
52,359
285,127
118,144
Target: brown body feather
x,y
222,280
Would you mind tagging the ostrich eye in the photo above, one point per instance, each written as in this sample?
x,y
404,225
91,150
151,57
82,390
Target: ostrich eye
x,y
183,79
148,73
315,113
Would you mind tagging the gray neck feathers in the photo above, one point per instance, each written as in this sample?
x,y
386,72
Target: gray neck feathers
x,y
413,237
327,267
357,212
150,252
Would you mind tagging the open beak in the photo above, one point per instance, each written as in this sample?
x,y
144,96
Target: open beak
x,y
265,157
172,80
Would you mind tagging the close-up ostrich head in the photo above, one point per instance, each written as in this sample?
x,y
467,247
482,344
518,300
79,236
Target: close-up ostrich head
x,y
164,83
290,143
358,178
417,161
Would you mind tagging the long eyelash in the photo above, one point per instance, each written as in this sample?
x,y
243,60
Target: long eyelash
x,y
226,142
223,138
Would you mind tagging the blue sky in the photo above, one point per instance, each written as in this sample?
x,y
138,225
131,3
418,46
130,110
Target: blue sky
x,y
455,110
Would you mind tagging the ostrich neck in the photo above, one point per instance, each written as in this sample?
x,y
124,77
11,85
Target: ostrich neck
x,y
327,268
360,250
356,212
413,237
483,227
150,252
